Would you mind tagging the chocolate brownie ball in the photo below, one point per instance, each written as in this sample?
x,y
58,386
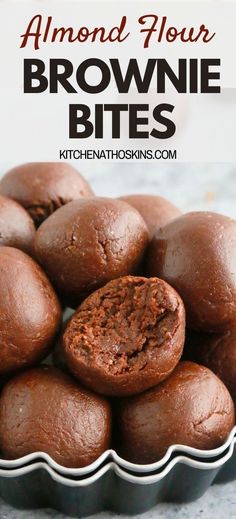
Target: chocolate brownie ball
x,y
30,313
16,226
45,410
155,210
192,407
126,337
217,352
196,254
43,187
87,243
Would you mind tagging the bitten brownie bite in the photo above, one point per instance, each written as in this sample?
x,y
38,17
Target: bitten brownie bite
x,y
192,407
127,336
43,187
87,243
45,410
16,226
155,210
196,254
217,352
30,313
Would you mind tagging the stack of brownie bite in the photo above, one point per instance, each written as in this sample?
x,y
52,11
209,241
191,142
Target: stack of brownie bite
x,y
147,358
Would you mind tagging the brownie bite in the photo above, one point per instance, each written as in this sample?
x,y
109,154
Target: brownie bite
x,y
191,407
217,352
196,254
126,337
16,226
155,210
87,243
44,410
43,187
30,313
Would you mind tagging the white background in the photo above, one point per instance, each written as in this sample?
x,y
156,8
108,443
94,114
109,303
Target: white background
x,y
35,126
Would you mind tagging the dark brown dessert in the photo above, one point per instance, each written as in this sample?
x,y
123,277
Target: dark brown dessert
x,y
196,254
155,210
217,352
30,313
16,226
127,336
192,407
44,410
87,243
43,187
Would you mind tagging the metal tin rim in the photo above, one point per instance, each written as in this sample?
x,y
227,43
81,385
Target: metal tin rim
x,y
189,451
111,454
131,478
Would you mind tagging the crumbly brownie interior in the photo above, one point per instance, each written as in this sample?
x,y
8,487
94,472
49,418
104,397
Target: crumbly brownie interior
x,y
125,325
